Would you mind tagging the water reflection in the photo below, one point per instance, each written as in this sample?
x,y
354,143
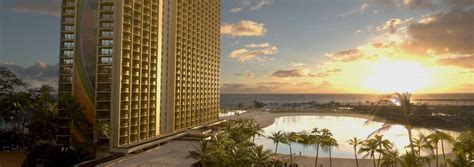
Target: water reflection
x,y
343,129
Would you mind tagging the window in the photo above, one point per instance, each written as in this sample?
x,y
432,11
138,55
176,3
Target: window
x,y
107,33
105,51
70,11
69,28
66,78
66,70
105,60
68,53
107,25
69,19
109,8
107,16
105,69
69,36
68,45
67,61
107,42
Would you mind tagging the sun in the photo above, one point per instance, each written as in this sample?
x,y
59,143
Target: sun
x,y
397,76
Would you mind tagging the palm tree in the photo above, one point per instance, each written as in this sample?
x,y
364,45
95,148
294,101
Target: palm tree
x,y
442,136
256,130
260,157
79,125
44,123
369,147
407,160
382,144
306,138
13,109
276,137
330,143
405,107
316,140
420,143
461,161
288,138
390,158
433,140
465,144
203,153
355,143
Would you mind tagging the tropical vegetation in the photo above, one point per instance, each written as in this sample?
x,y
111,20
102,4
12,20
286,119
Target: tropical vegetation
x,y
31,120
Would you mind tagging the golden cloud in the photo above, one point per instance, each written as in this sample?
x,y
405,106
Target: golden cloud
x,y
243,28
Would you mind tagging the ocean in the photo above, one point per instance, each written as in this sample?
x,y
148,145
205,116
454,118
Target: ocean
x,y
232,100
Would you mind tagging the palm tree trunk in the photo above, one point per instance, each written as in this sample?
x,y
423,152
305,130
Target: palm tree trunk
x,y
410,138
380,155
355,155
330,157
444,155
317,152
437,155
276,147
291,156
373,159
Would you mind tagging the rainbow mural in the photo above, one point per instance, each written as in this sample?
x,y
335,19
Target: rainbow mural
x,y
85,61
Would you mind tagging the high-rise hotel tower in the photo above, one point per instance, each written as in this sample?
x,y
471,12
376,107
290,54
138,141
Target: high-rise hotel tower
x,y
147,68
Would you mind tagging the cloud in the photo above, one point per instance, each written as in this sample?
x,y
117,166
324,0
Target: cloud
x,y
37,74
364,7
273,83
459,2
261,45
251,5
303,73
361,9
325,84
246,74
392,24
445,32
348,55
260,4
254,52
464,62
235,10
326,73
425,4
296,64
42,7
244,28
290,73
263,87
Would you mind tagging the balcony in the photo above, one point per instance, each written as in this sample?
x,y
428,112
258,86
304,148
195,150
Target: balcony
x,y
69,4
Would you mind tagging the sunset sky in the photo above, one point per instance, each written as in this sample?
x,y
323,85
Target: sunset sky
x,y
300,46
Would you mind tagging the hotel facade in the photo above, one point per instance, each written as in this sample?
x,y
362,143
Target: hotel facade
x,y
146,68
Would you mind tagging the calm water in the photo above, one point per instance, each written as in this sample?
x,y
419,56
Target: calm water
x,y
343,129
232,100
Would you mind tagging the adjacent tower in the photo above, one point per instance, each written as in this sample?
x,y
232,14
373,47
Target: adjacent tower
x,y
110,63
146,68
192,64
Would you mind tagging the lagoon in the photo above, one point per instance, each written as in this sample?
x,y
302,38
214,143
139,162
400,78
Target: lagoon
x,y
343,129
